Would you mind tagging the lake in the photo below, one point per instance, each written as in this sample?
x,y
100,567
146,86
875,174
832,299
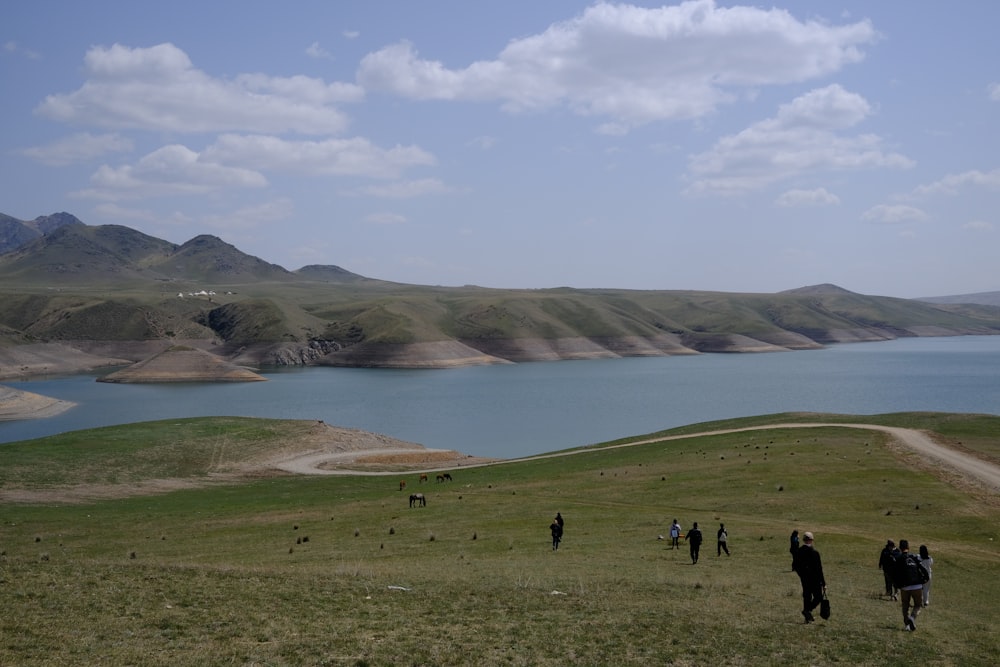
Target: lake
x,y
522,409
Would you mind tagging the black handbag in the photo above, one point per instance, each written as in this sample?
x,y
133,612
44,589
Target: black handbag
x,y
824,608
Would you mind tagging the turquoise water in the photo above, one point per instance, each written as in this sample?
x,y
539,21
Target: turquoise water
x,y
517,410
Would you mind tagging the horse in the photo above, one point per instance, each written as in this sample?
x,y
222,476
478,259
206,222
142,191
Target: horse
x,y
423,478
402,484
444,478
440,478
418,499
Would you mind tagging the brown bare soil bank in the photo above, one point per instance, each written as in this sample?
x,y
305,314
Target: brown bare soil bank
x,y
17,404
21,361
183,364
438,354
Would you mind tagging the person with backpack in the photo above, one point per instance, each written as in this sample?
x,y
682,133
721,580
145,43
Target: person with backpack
x,y
910,579
887,563
809,566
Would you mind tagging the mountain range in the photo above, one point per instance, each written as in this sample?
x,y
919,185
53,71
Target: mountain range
x,y
116,294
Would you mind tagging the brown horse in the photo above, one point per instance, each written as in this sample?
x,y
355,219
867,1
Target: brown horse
x,y
418,499
402,484
444,478
423,478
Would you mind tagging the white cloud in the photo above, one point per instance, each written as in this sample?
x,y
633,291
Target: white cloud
x,y
78,148
247,217
807,135
239,161
978,226
168,171
891,214
952,183
158,88
385,218
816,197
342,157
993,90
633,64
316,51
351,34
406,189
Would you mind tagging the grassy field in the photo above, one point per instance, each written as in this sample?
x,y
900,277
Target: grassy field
x,y
282,570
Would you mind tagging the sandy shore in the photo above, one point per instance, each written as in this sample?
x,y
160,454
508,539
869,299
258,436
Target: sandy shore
x,y
17,404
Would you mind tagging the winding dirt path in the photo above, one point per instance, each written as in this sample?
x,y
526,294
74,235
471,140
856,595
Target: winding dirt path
x,y
918,441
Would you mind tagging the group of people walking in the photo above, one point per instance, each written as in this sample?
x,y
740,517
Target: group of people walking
x,y
907,577
694,538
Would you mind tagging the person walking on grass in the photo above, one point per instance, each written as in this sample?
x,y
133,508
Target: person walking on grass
x,y
928,563
910,579
675,535
723,539
887,563
809,566
694,539
556,529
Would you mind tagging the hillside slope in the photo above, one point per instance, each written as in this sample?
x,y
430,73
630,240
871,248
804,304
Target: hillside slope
x,y
114,289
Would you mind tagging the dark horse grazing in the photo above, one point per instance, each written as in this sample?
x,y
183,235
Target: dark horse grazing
x,y
418,499
444,477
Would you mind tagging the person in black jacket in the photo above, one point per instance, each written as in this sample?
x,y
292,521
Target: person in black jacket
x,y
694,539
887,563
809,567
910,582
557,530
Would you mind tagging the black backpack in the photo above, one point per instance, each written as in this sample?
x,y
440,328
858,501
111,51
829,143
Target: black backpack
x,y
910,571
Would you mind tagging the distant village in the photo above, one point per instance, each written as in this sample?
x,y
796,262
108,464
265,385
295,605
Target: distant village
x,y
181,295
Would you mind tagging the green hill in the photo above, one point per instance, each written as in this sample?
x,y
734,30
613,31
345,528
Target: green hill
x,y
113,283
175,543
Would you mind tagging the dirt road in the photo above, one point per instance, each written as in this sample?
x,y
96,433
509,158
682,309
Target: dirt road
x,y
917,441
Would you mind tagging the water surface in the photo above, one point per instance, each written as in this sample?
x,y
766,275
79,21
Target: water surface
x,y
522,409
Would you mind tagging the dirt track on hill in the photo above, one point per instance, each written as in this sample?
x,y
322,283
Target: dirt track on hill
x,y
918,442
333,451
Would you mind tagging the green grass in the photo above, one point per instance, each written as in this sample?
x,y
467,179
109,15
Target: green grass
x,y
300,571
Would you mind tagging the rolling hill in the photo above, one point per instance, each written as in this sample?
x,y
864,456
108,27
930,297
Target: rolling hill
x,y
982,298
15,233
118,293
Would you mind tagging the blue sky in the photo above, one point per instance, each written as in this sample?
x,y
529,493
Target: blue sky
x,y
697,145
